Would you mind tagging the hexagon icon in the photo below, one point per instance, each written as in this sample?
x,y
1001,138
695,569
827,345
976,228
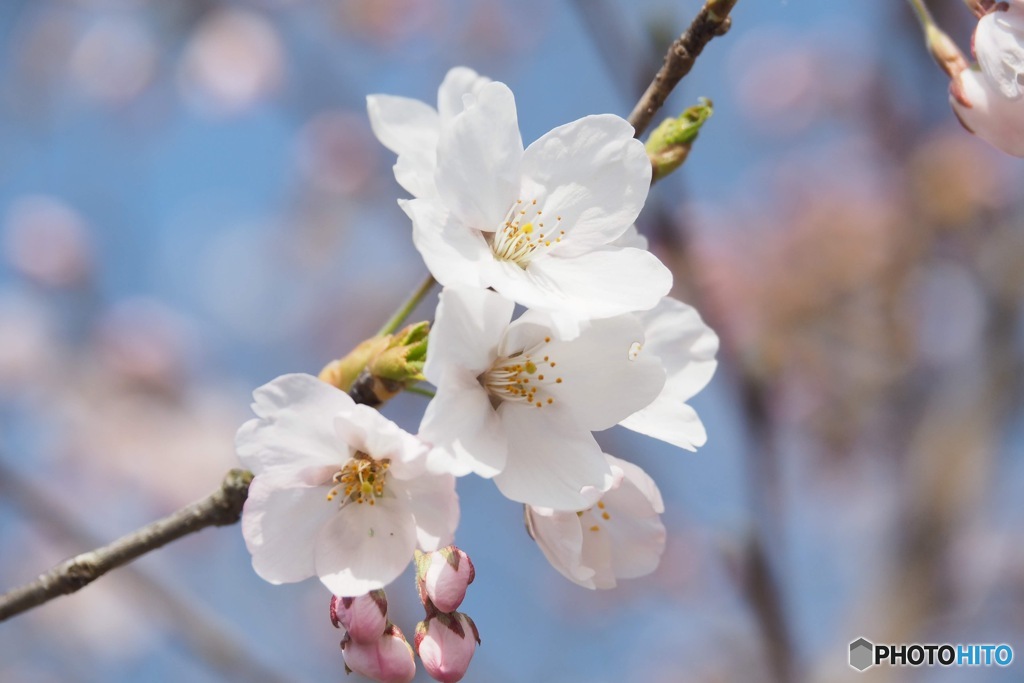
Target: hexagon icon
x,y
861,654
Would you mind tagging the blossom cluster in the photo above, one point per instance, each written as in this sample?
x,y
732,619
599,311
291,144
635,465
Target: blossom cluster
x,y
545,231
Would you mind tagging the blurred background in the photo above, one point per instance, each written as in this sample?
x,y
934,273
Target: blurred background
x,y
192,202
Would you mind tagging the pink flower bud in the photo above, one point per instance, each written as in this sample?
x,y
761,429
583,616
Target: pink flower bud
x,y
364,617
388,659
445,644
444,576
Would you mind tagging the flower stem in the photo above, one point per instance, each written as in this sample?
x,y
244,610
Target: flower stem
x,y
406,308
941,47
923,15
421,391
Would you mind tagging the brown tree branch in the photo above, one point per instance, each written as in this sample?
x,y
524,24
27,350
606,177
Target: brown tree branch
x,y
712,20
220,508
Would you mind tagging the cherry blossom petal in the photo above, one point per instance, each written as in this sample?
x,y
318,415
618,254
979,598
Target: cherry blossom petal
x,y
282,516
478,158
388,660
636,494
637,545
455,254
294,428
415,175
602,382
365,547
458,82
686,347
675,333
560,538
999,47
632,238
409,128
671,421
469,326
551,458
461,421
598,554
621,537
529,332
435,505
593,174
404,125
372,433
602,283
990,116
636,531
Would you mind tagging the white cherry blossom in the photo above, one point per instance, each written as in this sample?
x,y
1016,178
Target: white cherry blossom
x,y
539,225
999,48
685,347
340,492
518,403
989,98
620,537
411,128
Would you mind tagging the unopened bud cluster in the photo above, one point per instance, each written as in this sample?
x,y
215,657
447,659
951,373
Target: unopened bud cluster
x,y
372,645
445,640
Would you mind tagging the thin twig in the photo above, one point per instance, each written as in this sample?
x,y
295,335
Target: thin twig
x,y
712,20
220,508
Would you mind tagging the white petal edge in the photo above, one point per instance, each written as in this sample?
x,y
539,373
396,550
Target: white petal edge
x,y
478,159
280,522
594,174
294,426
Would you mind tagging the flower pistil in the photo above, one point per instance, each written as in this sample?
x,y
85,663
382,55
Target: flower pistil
x,y
361,479
521,379
605,515
519,236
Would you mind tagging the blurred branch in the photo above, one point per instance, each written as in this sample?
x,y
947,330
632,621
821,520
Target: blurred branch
x,y
761,586
762,592
628,66
220,508
712,20
951,453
